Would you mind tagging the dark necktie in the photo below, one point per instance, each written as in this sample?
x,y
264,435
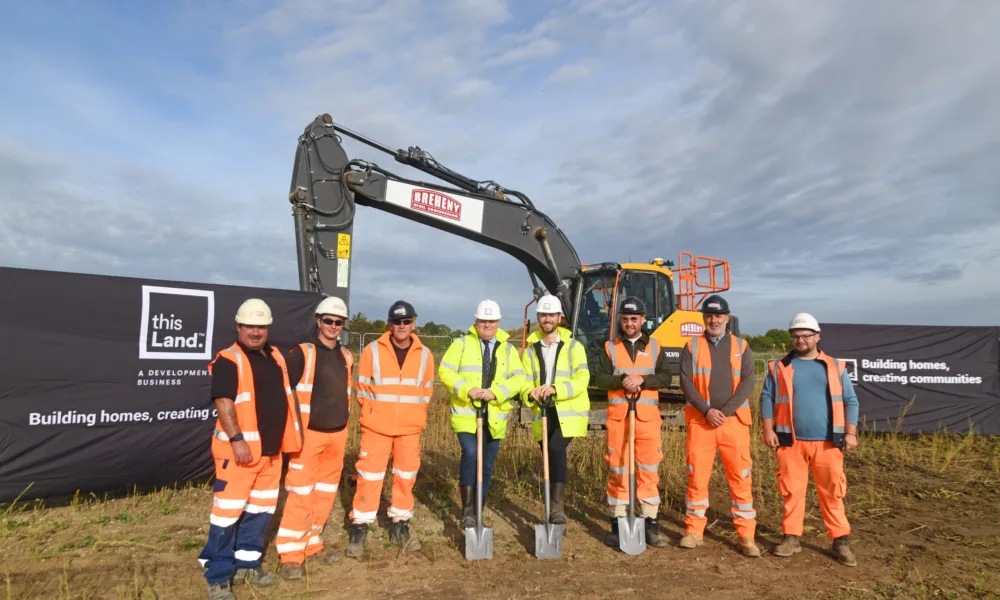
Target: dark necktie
x,y
487,378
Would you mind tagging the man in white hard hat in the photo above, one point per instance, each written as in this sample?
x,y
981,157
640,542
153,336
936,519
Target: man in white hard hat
x,y
258,420
809,413
480,369
556,379
321,371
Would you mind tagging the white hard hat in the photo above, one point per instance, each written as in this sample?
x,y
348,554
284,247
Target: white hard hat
x,y
549,304
254,312
488,310
332,305
803,321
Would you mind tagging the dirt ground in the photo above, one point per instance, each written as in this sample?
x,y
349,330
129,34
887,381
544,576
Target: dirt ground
x,y
931,537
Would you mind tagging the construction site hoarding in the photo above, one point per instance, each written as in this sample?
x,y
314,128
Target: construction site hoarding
x,y
921,379
105,380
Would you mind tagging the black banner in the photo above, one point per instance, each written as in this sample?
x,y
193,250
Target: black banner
x,y
950,374
104,382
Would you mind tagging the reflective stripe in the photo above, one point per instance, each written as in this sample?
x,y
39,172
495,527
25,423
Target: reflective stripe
x,y
292,533
619,470
448,365
781,400
573,413
401,399
649,401
250,436
258,509
288,390
702,502
229,504
364,516
561,373
752,514
369,476
272,493
736,372
364,380
690,468
305,408
388,381
302,490
290,547
646,467
366,395
616,501
243,397
699,512
650,500
304,387
424,353
463,411
222,521
458,385
376,369
702,371
838,429
503,388
746,472
398,513
315,540
295,466
404,474
470,369
517,373
742,506
782,429
326,487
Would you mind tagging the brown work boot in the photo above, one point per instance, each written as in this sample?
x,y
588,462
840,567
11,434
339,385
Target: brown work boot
x,y
788,546
291,570
843,552
220,591
749,548
255,576
325,556
691,540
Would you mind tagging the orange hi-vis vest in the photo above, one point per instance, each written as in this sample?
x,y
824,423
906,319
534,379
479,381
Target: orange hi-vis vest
x,y
394,399
304,388
701,375
647,407
246,408
783,373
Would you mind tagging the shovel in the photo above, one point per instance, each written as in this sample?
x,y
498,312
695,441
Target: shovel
x,y
479,539
631,529
548,537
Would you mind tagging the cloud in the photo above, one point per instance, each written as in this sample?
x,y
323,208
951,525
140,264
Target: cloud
x,y
568,74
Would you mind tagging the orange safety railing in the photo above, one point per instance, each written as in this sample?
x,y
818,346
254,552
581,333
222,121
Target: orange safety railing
x,y
698,277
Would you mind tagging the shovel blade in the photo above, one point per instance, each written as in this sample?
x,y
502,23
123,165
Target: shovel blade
x,y
632,537
479,543
548,541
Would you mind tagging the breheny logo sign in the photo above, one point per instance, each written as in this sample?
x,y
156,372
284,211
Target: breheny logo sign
x,y
176,323
436,203
691,329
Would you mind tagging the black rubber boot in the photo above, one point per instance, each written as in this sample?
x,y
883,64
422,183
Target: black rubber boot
x,y
468,506
356,547
558,514
653,535
612,538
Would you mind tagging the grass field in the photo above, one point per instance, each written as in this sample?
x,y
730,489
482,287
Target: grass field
x,y
925,512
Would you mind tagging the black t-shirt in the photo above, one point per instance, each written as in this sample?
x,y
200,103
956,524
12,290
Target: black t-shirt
x,y
329,408
268,392
401,353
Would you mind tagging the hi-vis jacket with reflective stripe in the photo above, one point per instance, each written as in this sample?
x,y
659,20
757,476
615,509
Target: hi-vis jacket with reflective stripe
x,y
783,374
246,408
461,371
394,400
570,382
701,375
304,388
647,408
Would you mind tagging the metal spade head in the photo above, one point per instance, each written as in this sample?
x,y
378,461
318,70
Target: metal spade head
x,y
478,543
548,540
632,536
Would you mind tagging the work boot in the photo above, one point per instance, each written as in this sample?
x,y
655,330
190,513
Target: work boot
x,y
220,591
356,547
691,540
557,516
254,576
612,538
325,556
468,506
653,535
843,552
749,548
291,570
788,546
400,534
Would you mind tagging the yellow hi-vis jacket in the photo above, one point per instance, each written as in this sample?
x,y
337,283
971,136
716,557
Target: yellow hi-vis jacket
x,y
461,370
570,382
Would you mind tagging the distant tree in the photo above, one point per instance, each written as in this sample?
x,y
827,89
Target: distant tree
x,y
781,337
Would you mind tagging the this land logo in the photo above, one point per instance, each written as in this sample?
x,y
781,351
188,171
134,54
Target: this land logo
x,y
851,366
176,323
436,203
691,329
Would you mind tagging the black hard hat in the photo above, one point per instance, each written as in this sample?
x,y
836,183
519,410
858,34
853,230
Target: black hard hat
x,y
715,305
401,309
632,306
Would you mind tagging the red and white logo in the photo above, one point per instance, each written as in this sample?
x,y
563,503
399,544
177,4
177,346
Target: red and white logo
x,y
691,329
436,203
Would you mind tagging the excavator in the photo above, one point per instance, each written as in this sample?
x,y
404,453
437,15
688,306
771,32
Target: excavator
x,y
327,186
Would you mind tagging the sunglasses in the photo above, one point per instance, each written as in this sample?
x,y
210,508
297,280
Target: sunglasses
x,y
398,322
334,322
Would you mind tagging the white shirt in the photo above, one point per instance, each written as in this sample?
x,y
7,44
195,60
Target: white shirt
x,y
549,356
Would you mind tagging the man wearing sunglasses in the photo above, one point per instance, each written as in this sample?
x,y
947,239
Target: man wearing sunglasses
x,y
634,364
395,382
320,372
809,413
717,380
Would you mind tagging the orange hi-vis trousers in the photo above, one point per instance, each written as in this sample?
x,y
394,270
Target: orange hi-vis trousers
x,y
312,481
373,458
827,464
732,440
648,456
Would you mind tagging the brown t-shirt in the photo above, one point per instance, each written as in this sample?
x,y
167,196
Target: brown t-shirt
x,y
720,385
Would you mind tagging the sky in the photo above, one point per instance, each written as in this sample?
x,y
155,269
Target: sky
x,y
844,157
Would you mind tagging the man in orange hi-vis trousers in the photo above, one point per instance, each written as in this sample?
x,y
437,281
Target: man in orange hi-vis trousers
x,y
258,420
321,372
633,364
809,413
395,382
717,380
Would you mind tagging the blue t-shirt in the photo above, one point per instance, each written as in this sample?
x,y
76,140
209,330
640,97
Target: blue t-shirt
x,y
812,415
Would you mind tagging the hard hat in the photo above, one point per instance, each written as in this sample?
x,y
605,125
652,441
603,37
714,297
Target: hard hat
x,y
632,306
549,304
331,305
803,321
715,305
254,312
488,310
401,309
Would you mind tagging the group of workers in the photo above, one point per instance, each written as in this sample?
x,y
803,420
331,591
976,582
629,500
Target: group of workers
x,y
298,403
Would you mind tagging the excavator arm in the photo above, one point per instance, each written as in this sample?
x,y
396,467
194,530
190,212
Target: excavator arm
x,y
327,186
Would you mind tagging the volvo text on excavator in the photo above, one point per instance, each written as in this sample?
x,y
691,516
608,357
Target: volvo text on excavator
x,y
327,186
